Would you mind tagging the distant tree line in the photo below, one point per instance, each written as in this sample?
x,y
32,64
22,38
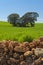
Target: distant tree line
x,y
29,17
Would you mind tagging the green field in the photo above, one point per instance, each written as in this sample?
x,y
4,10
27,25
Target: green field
x,y
7,31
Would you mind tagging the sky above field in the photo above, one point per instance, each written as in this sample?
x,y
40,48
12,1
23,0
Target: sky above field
x,y
21,7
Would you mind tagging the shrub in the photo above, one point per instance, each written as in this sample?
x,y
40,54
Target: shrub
x,y
27,38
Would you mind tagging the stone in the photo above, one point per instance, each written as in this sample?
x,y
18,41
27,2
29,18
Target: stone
x,y
28,53
31,45
16,43
21,57
41,38
23,63
18,49
21,49
16,55
13,61
39,61
38,51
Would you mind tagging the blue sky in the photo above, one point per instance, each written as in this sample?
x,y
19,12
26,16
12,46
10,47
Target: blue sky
x,y
20,6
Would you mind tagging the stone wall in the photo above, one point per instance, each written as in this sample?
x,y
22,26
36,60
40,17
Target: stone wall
x,y
16,53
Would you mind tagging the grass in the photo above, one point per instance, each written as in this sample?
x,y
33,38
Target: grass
x,y
7,31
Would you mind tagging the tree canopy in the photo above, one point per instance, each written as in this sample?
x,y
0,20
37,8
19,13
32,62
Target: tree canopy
x,y
12,18
29,17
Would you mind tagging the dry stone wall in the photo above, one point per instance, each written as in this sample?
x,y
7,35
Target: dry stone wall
x,y
15,53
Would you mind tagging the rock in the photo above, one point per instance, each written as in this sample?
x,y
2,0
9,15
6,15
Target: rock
x,y
10,47
21,49
13,61
41,39
2,45
41,45
29,59
16,55
31,45
28,53
34,57
18,49
38,51
21,57
39,61
36,42
3,61
33,49
23,63
16,43
25,49
25,44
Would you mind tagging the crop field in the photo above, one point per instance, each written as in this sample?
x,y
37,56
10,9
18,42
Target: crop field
x,y
8,32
